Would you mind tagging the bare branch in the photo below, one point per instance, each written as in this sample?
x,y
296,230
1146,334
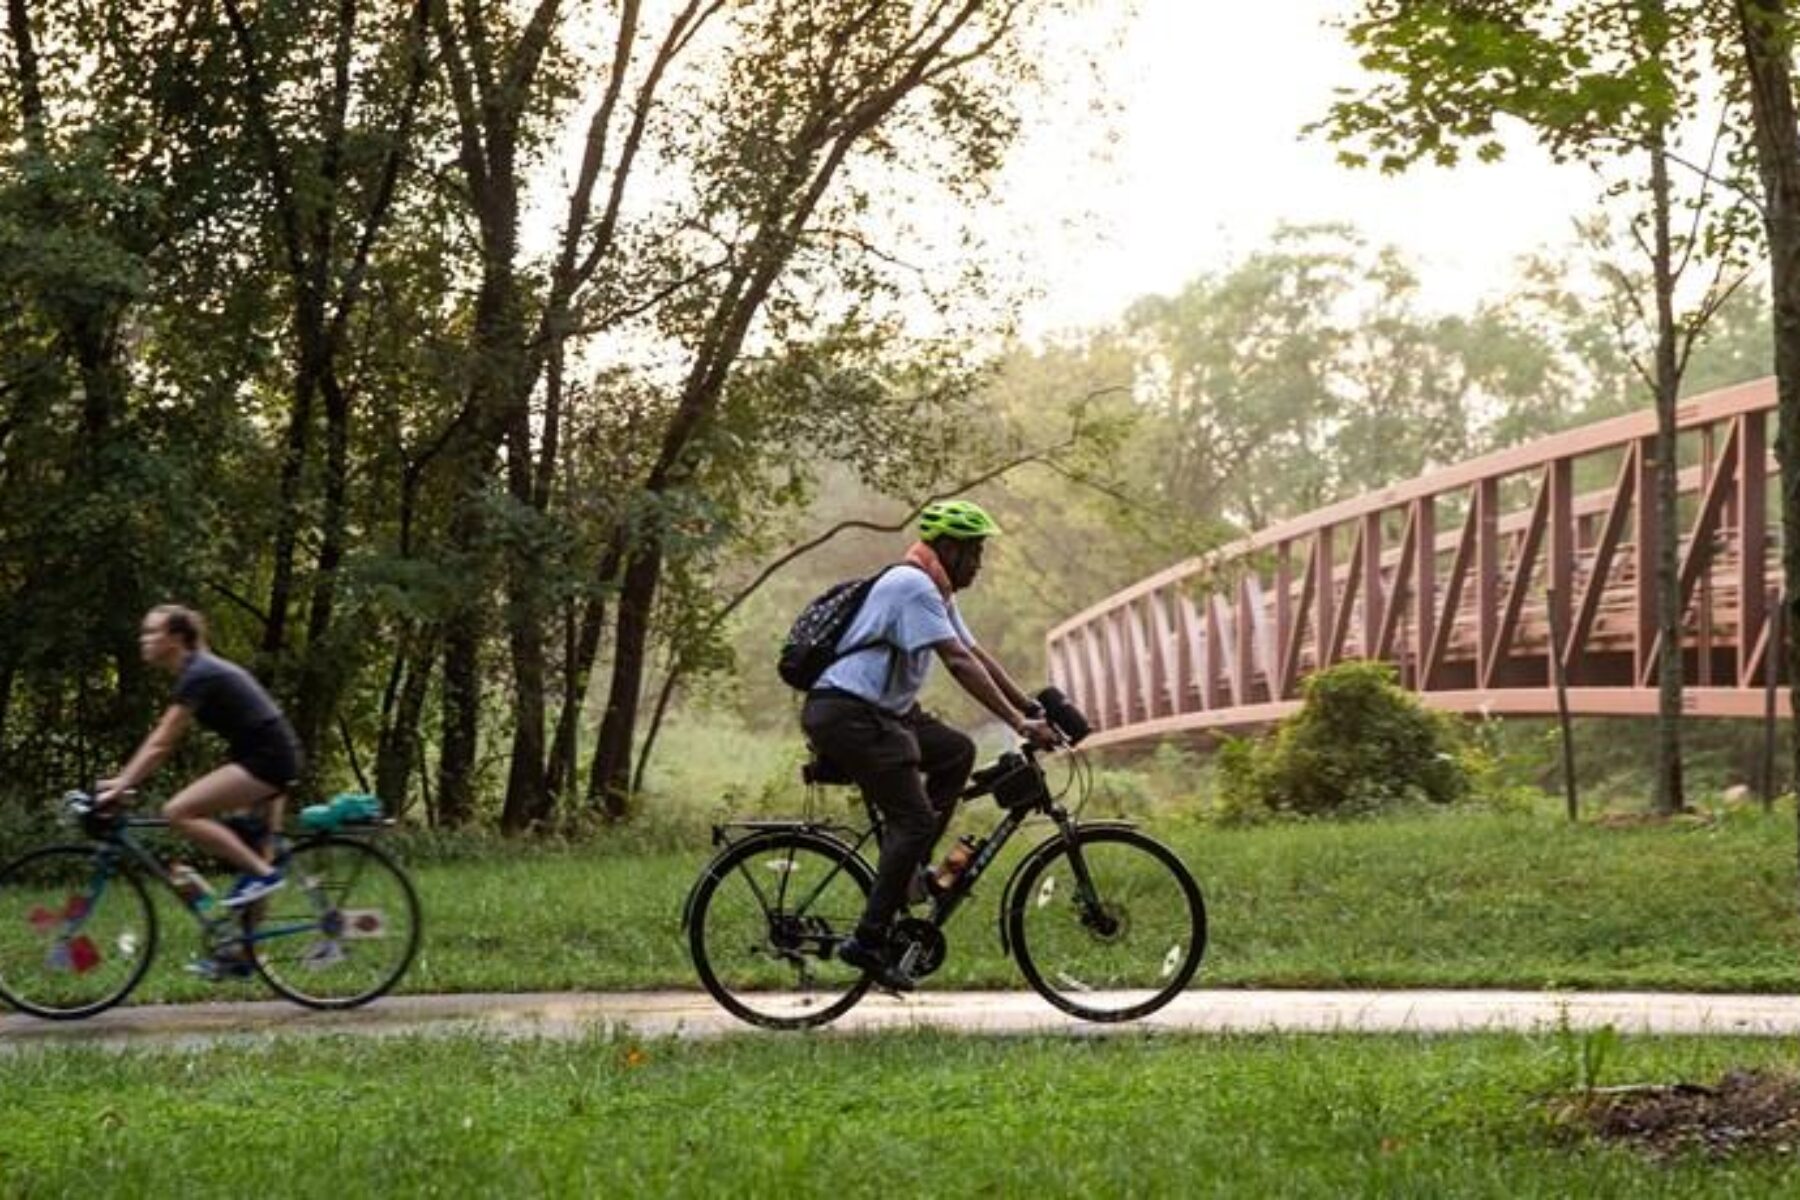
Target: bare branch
x,y
677,666
468,110
988,475
385,189
1700,202
31,89
1716,298
532,44
263,125
1706,173
242,602
676,41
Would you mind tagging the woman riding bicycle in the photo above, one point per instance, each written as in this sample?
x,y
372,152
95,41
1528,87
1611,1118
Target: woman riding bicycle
x,y
265,759
863,714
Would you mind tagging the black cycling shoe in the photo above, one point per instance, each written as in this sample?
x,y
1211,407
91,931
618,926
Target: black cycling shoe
x,y
874,963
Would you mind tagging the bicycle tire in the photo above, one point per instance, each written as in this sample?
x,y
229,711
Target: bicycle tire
x,y
788,933
1124,961
344,929
65,967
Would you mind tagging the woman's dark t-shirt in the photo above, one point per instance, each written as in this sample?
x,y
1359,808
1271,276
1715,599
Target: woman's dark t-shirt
x,y
226,699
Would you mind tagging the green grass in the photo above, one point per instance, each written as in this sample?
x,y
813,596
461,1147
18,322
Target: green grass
x,y
916,1114
1453,900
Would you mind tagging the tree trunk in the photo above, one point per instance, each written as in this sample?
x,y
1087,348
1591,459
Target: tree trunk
x,y
1669,797
394,757
560,773
527,798
1765,26
94,339
320,677
288,514
609,784
462,715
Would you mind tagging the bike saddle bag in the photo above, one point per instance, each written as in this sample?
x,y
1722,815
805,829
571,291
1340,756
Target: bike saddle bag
x,y
345,808
823,771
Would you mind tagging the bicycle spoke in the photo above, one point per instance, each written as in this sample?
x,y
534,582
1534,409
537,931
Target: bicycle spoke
x,y
1111,932
76,932
767,953
343,930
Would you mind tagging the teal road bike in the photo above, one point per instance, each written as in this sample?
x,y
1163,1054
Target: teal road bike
x,y
78,929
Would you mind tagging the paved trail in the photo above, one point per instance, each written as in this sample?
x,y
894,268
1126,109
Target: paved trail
x,y
692,1014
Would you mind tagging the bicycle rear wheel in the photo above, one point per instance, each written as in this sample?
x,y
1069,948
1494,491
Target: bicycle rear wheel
x,y
77,932
764,924
343,930
1109,929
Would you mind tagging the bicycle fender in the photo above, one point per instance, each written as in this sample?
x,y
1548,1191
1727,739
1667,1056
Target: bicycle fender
x,y
765,832
1039,851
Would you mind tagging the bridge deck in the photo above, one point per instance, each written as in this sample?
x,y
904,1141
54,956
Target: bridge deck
x,y
1464,594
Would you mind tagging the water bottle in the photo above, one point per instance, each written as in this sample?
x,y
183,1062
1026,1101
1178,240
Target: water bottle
x,y
956,862
192,887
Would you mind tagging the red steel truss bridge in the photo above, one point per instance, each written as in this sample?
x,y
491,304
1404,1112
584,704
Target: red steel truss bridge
x,y
1459,578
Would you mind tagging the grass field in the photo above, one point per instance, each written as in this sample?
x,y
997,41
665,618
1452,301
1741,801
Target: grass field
x,y
914,1114
1452,900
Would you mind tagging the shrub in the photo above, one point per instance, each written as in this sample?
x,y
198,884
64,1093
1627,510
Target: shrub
x,y
1359,744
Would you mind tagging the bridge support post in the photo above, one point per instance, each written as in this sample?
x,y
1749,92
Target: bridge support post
x,y
1555,653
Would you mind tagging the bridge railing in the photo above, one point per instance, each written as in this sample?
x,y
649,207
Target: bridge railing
x,y
1458,577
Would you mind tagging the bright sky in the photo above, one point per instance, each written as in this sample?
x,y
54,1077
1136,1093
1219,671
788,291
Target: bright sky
x,y
1209,159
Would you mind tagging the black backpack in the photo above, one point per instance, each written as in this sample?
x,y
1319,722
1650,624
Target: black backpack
x,y
811,644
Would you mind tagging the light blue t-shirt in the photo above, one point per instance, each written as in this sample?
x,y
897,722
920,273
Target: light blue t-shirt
x,y
905,616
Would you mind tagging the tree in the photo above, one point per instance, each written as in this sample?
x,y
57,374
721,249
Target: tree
x,y
1594,82
1306,373
331,183
107,185
814,93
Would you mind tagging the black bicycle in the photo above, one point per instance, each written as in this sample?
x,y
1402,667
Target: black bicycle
x,y
1104,921
78,929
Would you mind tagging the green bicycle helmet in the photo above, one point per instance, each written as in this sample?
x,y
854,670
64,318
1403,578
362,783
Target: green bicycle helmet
x,y
960,519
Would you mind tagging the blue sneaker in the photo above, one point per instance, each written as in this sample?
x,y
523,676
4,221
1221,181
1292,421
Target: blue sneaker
x,y
251,888
220,968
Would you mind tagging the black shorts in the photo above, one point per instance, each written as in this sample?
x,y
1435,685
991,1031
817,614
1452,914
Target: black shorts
x,y
273,759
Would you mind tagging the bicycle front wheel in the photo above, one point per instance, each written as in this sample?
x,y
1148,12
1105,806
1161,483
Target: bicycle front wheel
x,y
1107,925
764,924
343,930
77,932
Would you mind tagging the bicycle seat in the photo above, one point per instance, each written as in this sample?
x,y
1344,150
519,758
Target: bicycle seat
x,y
822,771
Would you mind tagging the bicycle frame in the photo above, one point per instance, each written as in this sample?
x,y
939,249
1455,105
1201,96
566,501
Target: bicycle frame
x,y
944,905
1080,953
116,841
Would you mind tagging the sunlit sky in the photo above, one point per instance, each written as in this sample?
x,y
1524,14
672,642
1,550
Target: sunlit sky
x,y
1205,157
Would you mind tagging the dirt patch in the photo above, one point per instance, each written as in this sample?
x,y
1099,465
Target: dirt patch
x,y
1745,1112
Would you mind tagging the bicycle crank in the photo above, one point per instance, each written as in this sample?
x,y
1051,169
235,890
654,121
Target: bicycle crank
x,y
918,947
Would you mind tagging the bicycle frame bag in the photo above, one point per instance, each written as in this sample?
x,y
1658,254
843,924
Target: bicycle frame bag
x,y
812,641
1013,781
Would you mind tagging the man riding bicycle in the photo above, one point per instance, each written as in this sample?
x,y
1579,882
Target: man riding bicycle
x,y
863,715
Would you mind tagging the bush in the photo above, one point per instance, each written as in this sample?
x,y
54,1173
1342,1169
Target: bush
x,y
1359,744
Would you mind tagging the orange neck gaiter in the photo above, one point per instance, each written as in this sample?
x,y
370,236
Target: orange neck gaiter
x,y
922,556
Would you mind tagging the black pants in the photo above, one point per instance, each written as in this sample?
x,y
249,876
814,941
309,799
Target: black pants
x,y
910,768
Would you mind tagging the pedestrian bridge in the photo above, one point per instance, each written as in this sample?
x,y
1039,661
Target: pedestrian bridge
x,y
1469,579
